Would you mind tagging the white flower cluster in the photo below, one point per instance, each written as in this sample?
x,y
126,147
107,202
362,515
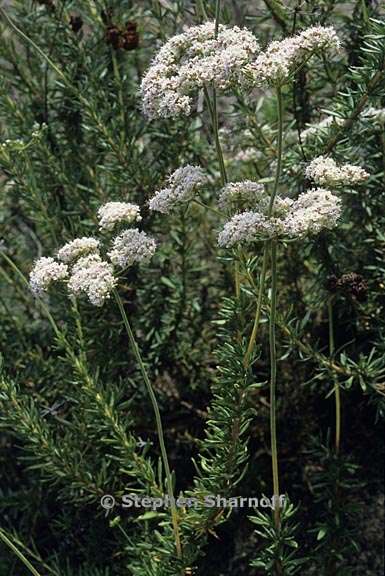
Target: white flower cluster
x,y
325,171
78,247
112,213
44,273
279,60
321,127
309,214
240,193
245,227
190,60
94,277
181,187
130,247
312,212
84,270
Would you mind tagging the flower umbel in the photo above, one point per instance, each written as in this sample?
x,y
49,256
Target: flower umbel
x,y
309,214
93,276
112,213
191,60
313,211
44,273
275,65
241,193
181,187
130,247
78,247
325,171
246,227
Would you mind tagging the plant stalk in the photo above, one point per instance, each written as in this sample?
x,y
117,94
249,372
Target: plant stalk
x,y
159,426
337,394
273,381
253,336
279,150
262,279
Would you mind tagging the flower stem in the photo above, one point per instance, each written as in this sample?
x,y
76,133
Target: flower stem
x,y
217,16
262,278
218,146
273,381
214,108
159,426
279,150
337,394
253,336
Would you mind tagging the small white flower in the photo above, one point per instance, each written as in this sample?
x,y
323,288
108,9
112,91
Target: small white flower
x,y
309,214
313,211
325,171
190,60
130,247
44,273
114,212
94,277
239,193
181,187
275,65
246,227
78,247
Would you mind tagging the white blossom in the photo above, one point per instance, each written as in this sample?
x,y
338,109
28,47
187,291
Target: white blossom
x,y
275,65
94,277
325,171
112,213
239,193
191,60
44,273
130,247
78,247
181,187
245,227
313,211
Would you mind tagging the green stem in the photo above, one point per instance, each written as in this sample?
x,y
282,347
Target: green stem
x,y
217,139
19,554
217,15
262,279
337,394
279,151
273,380
159,426
212,107
253,336
202,9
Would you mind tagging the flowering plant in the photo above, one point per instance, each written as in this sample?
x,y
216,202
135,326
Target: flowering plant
x,y
191,292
